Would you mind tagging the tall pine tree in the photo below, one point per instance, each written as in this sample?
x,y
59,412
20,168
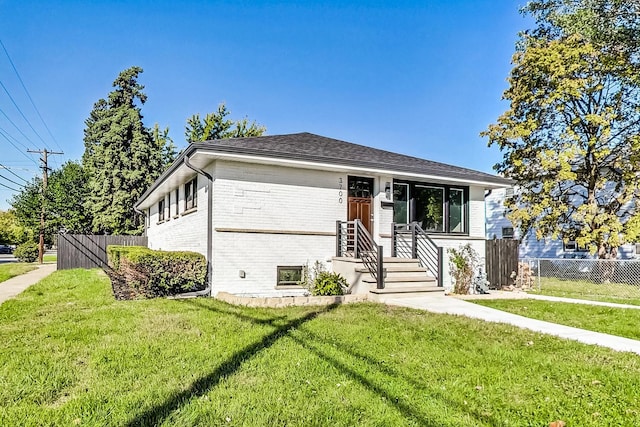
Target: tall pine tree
x,y
121,158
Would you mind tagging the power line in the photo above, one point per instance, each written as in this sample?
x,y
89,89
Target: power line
x,y
6,186
21,113
12,181
14,138
12,172
29,95
16,147
16,126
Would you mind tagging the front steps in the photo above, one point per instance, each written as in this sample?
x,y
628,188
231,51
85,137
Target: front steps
x,y
405,277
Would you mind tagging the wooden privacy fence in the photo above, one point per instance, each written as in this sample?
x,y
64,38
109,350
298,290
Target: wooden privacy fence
x,y
87,251
501,259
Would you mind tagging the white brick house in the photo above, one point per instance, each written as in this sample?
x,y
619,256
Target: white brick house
x,y
260,208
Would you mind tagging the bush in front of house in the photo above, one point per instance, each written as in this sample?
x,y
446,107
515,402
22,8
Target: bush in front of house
x,y
152,273
26,252
327,283
462,265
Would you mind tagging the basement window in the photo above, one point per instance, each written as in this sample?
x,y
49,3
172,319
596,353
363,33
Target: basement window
x,y
289,275
507,232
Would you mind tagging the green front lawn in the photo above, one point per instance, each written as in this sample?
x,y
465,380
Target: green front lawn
x,y
12,269
72,355
585,289
49,258
622,322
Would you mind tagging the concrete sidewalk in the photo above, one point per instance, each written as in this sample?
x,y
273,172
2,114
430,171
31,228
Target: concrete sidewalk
x,y
451,305
12,287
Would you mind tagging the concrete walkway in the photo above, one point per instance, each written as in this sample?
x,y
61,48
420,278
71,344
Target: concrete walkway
x,y
531,295
12,287
451,305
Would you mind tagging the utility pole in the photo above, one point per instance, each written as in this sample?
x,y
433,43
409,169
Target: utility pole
x,y
45,175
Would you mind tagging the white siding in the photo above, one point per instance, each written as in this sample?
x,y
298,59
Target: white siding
x,y
476,212
266,216
186,232
252,203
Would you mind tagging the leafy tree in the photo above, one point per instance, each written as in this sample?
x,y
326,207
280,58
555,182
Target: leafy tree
x,y
571,136
11,231
65,207
67,192
122,157
217,125
27,205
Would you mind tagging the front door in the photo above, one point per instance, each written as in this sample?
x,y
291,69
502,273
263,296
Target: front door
x,y
359,200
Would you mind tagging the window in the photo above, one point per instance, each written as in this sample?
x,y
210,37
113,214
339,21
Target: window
x,y
191,194
289,275
360,187
400,203
169,206
508,193
507,232
161,210
429,203
177,201
456,210
436,208
572,246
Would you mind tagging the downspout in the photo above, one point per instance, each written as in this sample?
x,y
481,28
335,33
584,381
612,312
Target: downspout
x,y
487,194
207,290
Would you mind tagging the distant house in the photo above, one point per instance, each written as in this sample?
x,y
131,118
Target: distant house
x,y
498,226
261,208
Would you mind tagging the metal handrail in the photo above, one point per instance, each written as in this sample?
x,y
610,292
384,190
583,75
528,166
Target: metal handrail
x,y
354,240
411,241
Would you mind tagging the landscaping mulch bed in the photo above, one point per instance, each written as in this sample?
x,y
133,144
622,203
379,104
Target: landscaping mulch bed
x,y
121,289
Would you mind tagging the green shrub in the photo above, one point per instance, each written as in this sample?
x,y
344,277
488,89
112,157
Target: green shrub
x,y
462,265
26,252
327,283
158,273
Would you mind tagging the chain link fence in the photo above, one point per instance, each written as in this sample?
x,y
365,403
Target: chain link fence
x,y
581,278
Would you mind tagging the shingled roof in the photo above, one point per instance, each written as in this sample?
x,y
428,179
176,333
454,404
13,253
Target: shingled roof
x,y
320,149
312,148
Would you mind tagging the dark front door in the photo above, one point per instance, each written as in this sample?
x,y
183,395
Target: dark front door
x,y
359,200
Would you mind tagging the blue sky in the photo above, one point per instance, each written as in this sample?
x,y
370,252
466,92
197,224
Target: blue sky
x,y
419,78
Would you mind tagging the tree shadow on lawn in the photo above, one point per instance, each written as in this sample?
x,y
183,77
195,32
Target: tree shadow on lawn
x,y
392,375
160,412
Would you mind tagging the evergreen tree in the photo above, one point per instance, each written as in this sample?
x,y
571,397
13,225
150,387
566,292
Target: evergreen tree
x,y
217,125
121,157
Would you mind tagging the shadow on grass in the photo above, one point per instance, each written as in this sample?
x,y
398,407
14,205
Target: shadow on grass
x,y
160,412
393,375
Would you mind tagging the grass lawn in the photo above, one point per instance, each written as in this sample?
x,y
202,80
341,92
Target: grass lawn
x,y
12,269
49,258
72,355
622,322
584,289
